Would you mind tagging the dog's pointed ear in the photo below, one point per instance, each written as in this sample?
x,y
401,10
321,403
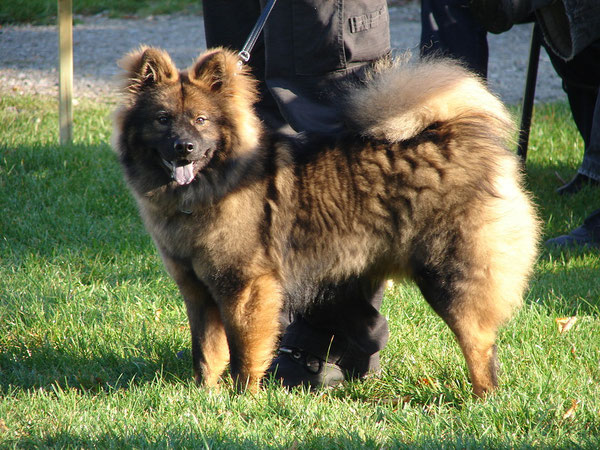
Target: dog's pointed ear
x,y
215,69
147,67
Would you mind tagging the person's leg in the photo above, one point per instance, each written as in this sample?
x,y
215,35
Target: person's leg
x,y
311,49
449,28
581,79
588,234
338,338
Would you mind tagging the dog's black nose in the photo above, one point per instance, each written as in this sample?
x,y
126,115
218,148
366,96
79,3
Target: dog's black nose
x,y
183,147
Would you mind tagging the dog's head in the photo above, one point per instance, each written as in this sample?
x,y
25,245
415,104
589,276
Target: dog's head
x,y
185,122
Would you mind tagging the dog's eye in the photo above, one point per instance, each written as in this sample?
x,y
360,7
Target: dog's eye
x,y
201,120
163,119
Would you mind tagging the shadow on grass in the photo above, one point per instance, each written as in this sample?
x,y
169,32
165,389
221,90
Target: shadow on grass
x,y
69,206
569,288
66,213
45,367
566,281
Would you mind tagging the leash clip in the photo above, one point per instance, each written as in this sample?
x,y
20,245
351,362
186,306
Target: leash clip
x,y
244,55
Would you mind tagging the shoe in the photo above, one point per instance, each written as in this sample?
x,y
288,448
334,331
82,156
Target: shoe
x,y
578,182
296,367
587,235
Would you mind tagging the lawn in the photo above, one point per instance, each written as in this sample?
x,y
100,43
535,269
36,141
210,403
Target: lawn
x,y
44,11
94,346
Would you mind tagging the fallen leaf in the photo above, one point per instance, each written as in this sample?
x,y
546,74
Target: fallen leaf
x,y
157,314
427,381
3,426
322,397
571,411
565,323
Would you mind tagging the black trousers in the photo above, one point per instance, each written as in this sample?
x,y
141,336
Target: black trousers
x,y
581,81
308,50
449,28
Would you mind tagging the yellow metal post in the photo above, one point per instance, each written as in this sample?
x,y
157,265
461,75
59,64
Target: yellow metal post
x,y
65,83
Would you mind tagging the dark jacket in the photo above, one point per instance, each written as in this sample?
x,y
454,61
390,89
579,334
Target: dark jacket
x,y
569,26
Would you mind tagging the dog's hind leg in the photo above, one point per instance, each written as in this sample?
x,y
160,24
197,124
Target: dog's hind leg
x,y
461,303
475,284
210,352
478,344
474,272
252,323
480,352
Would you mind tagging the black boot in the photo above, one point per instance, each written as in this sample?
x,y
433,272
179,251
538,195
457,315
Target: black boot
x,y
337,339
296,367
587,235
578,182
316,358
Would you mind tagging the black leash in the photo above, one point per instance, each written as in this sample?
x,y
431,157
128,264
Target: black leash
x,y
244,55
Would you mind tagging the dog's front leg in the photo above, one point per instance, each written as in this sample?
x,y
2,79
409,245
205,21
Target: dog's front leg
x,y
252,325
210,352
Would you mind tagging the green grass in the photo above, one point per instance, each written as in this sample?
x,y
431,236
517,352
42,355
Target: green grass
x,y
90,324
45,11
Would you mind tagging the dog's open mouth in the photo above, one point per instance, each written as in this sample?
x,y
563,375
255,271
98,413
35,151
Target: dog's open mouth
x,y
183,172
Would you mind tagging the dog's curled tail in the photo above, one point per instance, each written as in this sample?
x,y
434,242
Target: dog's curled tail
x,y
400,99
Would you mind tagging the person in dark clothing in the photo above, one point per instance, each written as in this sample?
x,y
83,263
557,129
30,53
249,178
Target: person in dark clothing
x,y
581,80
459,28
308,51
450,28
571,31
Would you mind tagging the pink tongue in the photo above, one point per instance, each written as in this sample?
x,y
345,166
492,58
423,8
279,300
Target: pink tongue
x,y
184,174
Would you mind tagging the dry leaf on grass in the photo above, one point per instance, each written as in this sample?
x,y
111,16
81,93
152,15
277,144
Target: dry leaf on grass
x,y
565,323
571,411
428,381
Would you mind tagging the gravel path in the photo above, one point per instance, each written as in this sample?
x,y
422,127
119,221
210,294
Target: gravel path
x,y
29,54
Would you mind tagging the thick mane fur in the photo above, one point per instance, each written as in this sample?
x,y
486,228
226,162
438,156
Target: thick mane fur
x,y
400,99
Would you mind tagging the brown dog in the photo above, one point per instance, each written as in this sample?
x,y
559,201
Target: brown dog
x,y
420,186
